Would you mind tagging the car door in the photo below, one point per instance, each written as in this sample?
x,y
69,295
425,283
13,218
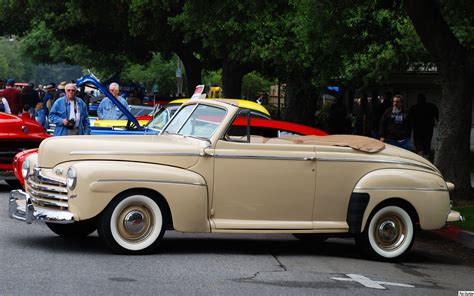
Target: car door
x,y
263,185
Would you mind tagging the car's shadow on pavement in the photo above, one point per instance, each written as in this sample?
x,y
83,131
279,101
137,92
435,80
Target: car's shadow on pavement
x,y
336,248
5,188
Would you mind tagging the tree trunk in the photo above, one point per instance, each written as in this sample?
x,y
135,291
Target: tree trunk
x,y
456,68
193,68
232,74
453,150
300,101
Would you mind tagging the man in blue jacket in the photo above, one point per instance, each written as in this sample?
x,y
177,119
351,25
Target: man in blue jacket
x,y
107,109
69,114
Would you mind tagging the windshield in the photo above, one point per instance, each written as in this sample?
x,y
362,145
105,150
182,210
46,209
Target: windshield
x,y
162,117
140,110
196,120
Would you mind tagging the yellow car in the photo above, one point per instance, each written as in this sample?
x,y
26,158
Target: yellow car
x,y
166,112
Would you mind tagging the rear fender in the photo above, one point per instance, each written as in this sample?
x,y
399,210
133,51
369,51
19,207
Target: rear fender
x,y
426,193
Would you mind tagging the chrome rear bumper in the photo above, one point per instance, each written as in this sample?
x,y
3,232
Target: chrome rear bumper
x,y
21,208
454,216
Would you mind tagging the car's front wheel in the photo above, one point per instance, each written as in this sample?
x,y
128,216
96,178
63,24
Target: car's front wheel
x,y
76,229
132,224
388,235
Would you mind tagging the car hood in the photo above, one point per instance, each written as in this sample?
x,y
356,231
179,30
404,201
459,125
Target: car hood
x,y
16,127
171,150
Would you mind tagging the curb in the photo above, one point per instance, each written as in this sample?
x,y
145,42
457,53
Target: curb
x,y
455,233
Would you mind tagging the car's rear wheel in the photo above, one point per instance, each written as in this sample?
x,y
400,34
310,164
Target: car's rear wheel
x,y
389,234
132,224
76,229
311,237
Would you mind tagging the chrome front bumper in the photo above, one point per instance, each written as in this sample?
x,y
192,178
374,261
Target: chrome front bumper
x,y
21,208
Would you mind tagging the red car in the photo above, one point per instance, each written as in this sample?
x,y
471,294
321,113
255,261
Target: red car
x,y
273,128
16,134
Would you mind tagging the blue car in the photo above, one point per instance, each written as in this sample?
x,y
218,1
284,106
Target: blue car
x,y
133,126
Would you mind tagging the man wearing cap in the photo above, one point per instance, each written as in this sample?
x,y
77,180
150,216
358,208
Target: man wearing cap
x,y
69,114
44,106
13,97
48,98
61,91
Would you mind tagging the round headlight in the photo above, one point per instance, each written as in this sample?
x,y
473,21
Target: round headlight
x,y
71,178
25,168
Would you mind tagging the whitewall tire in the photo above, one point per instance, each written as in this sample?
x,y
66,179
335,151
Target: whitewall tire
x,y
133,224
389,234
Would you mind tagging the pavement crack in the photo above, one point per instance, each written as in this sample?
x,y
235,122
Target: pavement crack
x,y
249,278
281,265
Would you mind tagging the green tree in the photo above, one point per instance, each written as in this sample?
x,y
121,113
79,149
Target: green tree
x,y
232,35
158,71
366,41
12,64
446,28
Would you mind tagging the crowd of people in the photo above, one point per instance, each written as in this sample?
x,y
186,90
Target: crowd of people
x,y
388,121
392,124
57,104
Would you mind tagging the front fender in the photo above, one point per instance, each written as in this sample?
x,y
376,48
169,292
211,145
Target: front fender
x,y
426,192
98,182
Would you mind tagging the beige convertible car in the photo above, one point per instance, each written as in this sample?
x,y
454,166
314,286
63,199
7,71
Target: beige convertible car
x,y
202,175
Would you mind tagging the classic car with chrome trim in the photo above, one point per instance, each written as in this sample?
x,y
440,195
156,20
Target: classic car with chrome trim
x,y
16,134
200,176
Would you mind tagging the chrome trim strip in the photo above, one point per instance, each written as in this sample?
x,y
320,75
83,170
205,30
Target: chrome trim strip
x,y
91,152
375,161
402,189
303,158
49,203
148,181
40,178
44,188
48,196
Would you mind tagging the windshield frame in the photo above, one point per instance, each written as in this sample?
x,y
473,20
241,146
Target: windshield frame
x,y
196,105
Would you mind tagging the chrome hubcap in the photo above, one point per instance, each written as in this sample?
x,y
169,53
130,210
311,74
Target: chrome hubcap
x,y
135,223
390,232
387,231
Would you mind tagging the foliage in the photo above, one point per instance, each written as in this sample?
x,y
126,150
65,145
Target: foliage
x,y
158,70
212,77
468,213
11,64
362,45
253,84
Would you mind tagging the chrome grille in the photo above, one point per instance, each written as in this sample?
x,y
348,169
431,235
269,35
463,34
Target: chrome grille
x,y
46,192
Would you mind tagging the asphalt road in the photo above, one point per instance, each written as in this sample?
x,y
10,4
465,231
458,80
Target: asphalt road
x,y
35,261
